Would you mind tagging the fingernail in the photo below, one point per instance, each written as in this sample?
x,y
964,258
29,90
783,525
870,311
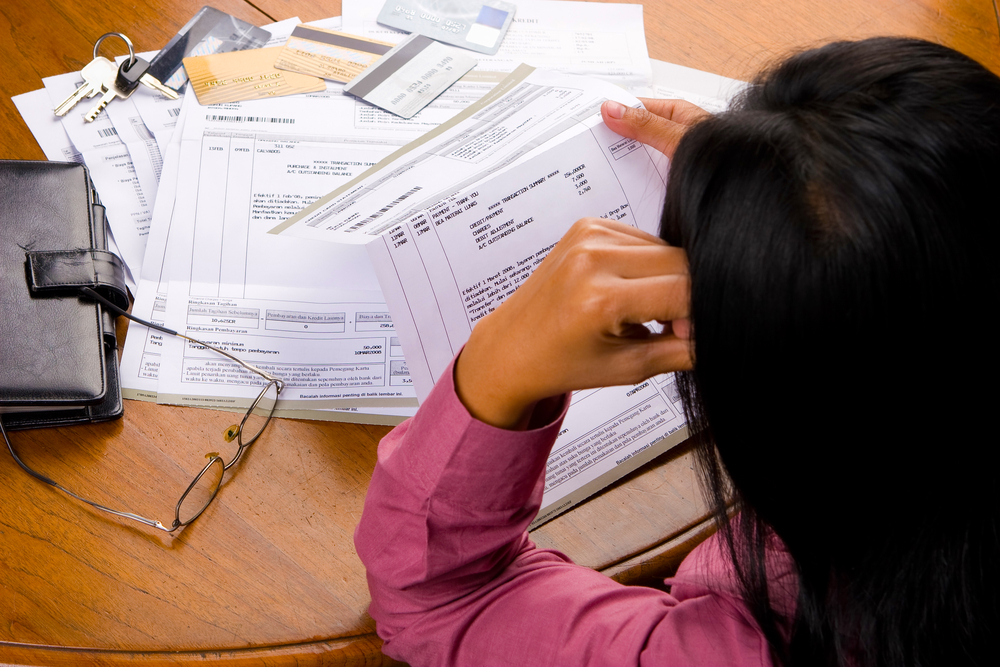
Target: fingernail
x,y
682,328
614,109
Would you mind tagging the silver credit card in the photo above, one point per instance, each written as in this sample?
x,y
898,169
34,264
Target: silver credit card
x,y
478,25
411,75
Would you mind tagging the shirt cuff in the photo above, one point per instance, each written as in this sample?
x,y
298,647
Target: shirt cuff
x,y
449,453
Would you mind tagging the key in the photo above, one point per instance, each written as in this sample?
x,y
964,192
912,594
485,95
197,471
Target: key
x,y
111,91
94,75
130,77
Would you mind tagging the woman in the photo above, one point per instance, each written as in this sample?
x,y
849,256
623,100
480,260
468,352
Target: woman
x,y
828,274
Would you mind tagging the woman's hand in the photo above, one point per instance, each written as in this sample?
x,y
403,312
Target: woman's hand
x,y
661,124
576,323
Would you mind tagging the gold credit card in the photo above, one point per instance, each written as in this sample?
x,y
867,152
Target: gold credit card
x,y
245,75
329,54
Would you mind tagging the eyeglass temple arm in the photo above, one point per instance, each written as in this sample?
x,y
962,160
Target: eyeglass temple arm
x,y
42,478
87,291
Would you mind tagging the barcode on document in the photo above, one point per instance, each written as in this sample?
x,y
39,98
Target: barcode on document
x,y
174,112
251,119
385,209
108,132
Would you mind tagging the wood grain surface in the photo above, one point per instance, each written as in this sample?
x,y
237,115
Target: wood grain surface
x,y
269,575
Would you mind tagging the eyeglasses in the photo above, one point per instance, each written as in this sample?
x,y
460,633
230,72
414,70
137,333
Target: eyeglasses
x,y
205,486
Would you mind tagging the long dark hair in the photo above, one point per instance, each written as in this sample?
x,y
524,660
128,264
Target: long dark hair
x,y
842,222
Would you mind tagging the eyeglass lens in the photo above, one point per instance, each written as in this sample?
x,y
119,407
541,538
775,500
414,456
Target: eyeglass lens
x,y
259,415
201,492
204,488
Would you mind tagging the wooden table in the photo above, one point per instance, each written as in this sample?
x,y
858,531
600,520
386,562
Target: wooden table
x,y
269,576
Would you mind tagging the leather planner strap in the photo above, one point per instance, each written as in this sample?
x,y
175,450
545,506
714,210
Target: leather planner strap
x,y
62,270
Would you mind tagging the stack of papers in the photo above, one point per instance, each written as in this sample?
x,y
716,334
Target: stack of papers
x,y
350,251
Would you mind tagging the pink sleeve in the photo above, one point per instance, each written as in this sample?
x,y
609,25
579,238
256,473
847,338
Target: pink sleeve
x,y
455,580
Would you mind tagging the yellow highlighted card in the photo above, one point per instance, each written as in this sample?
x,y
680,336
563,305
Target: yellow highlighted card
x,y
329,54
245,75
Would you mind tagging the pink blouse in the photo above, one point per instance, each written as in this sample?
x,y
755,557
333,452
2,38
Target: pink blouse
x,y
456,580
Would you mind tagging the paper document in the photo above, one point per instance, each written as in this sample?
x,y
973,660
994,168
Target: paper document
x,y
524,115
36,110
484,241
709,91
602,40
342,349
445,268
127,192
312,314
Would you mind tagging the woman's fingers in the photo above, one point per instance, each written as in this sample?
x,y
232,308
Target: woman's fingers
x,y
678,111
660,125
576,323
681,327
635,261
659,354
656,298
602,229
603,276
616,249
633,359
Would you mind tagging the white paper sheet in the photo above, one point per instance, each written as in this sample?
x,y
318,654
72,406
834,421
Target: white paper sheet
x,y
36,110
448,266
602,40
339,352
534,110
127,193
240,168
159,115
198,264
141,355
141,144
709,91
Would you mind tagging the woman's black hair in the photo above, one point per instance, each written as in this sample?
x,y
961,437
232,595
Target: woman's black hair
x,y
842,222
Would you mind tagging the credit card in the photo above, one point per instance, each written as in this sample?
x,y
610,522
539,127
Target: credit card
x,y
209,31
329,54
411,75
245,75
478,25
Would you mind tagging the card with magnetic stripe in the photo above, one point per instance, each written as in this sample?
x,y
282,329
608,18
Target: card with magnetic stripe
x,y
411,75
329,54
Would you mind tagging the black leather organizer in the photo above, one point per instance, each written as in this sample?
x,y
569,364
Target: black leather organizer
x,y
58,351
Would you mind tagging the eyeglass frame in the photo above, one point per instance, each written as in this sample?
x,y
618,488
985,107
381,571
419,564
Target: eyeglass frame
x,y
177,524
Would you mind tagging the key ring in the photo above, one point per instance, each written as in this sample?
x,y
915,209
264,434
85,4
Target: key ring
x,y
128,42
